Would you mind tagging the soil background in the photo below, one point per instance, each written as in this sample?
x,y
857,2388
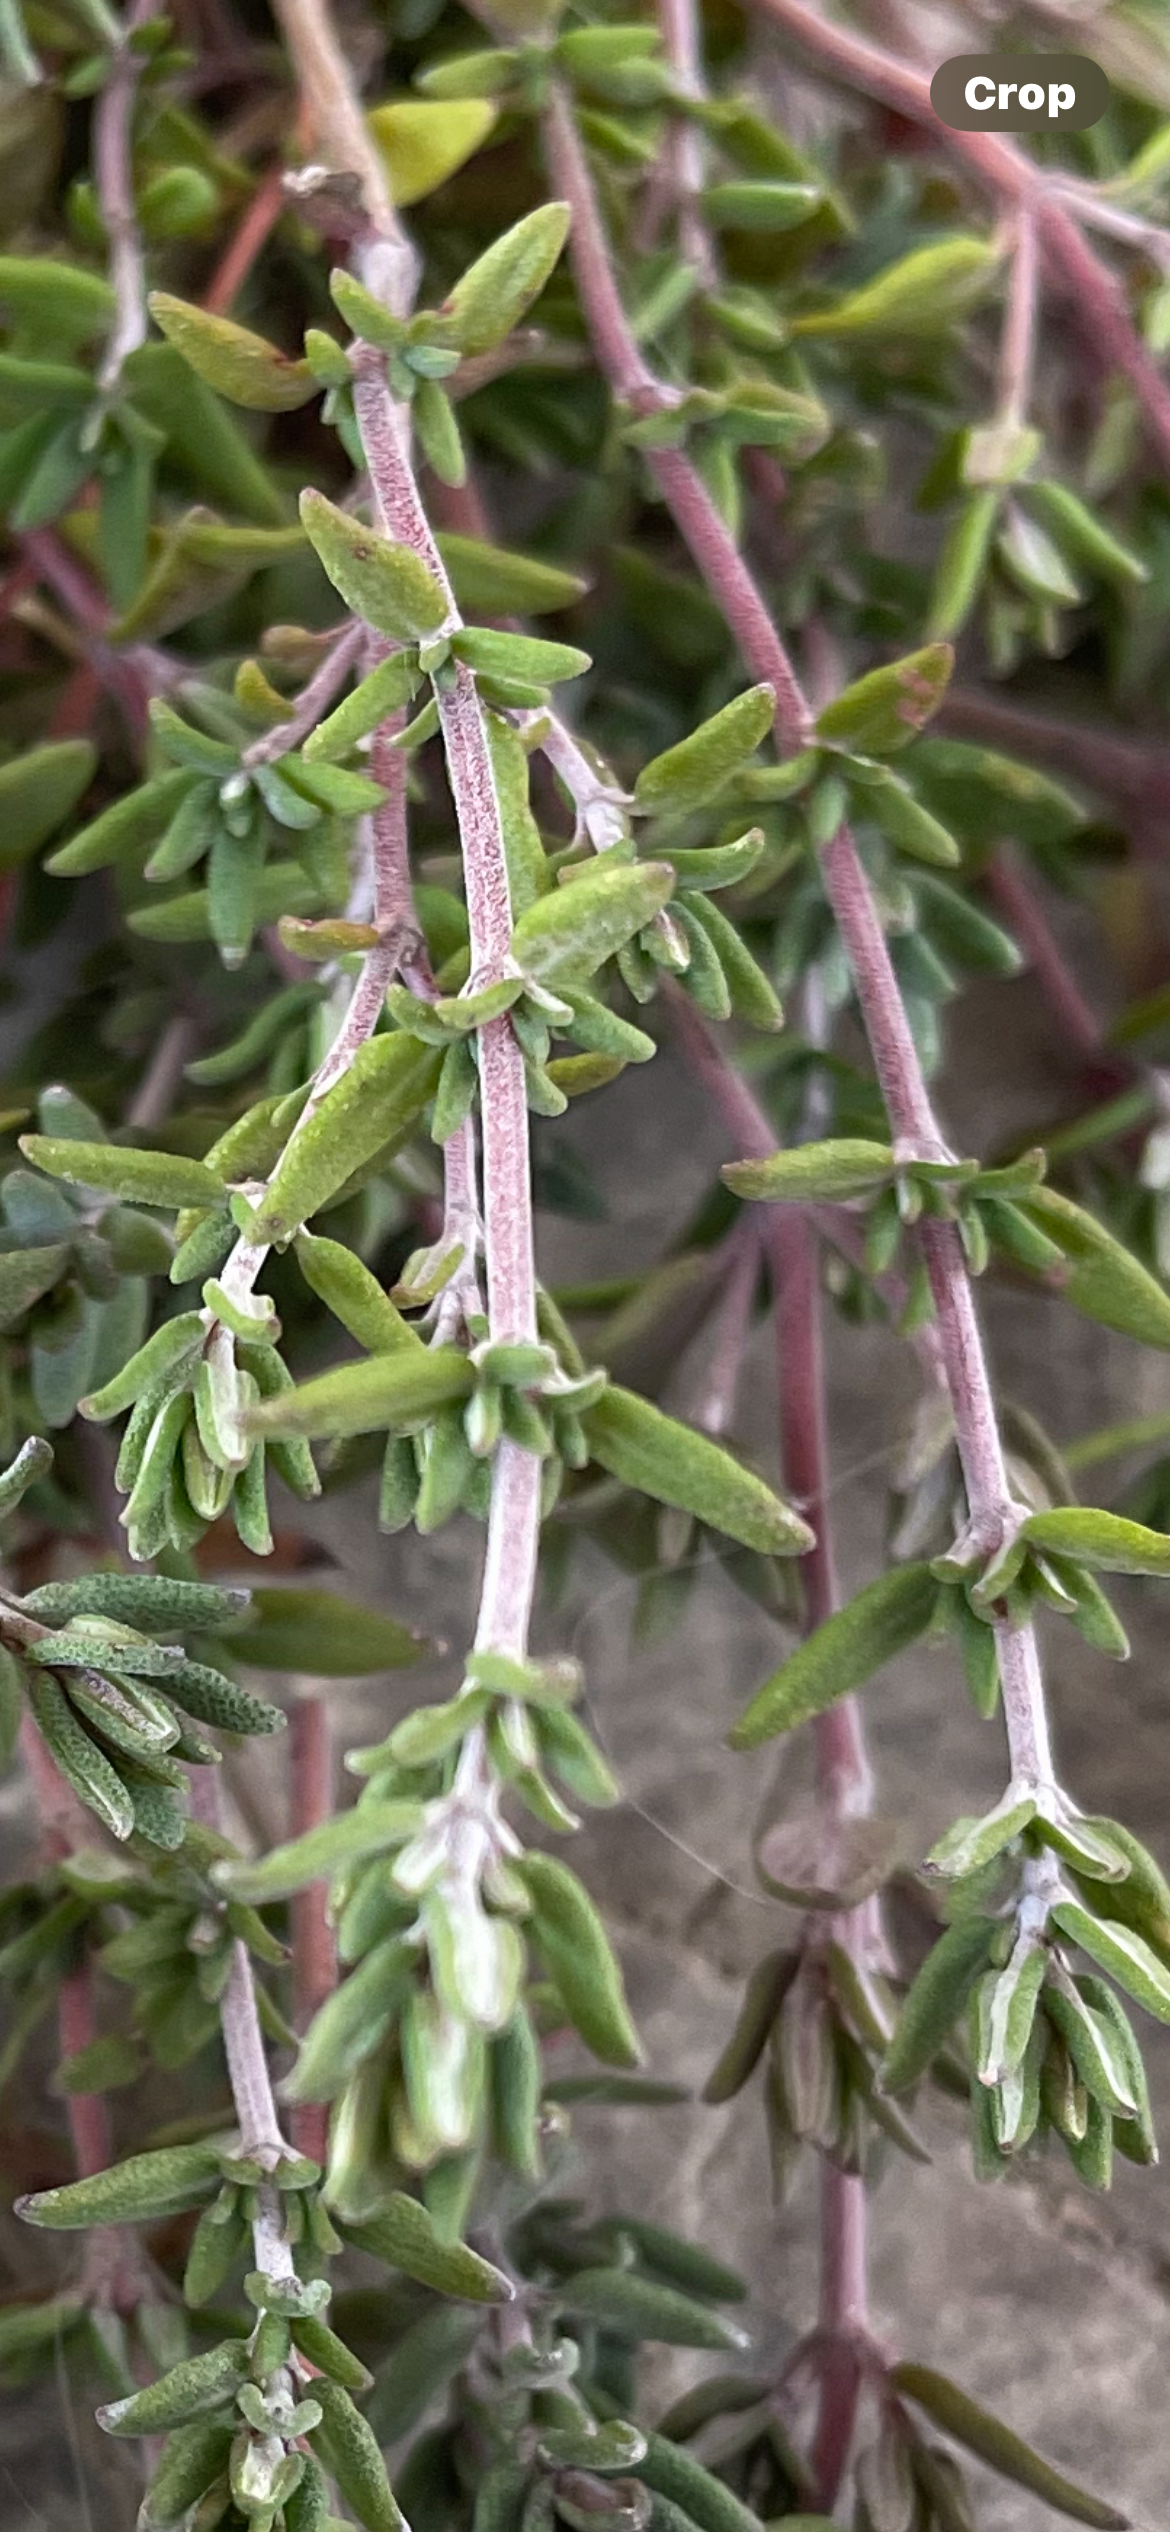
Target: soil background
x,y
1052,2306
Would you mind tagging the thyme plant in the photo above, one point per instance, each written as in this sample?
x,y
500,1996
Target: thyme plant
x,y
344,872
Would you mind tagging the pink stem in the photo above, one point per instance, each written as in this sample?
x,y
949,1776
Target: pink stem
x,y
89,2116
976,1429
711,543
1016,900
313,1948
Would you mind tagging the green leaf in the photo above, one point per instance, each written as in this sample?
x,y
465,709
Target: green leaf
x,y
962,564
33,1461
404,2235
134,820
388,686
699,2498
518,655
1082,536
1121,1951
371,1828
422,141
162,1178
660,1457
686,777
638,2308
883,711
1102,1540
923,292
489,581
189,2390
498,289
841,1655
37,792
813,1173
55,302
146,2189
385,583
760,204
580,1962
975,1841
291,1627
349,2449
1101,1278
26,1275
354,1296
568,934
374,1105
390,1393
910,827
1004,2452
936,1998
238,364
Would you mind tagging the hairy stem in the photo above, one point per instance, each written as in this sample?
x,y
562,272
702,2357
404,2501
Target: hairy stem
x,y
314,1952
711,543
896,1060
903,1087
114,185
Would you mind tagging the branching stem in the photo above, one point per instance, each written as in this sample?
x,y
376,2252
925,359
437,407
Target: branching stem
x,y
899,1071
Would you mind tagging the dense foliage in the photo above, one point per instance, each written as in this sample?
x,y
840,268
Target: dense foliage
x,y
335,871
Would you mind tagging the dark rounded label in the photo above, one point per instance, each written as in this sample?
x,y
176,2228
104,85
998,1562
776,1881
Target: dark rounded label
x,y
1019,92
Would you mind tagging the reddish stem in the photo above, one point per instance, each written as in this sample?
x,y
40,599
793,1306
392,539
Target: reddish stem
x,y
711,543
313,1948
89,2116
247,245
1016,899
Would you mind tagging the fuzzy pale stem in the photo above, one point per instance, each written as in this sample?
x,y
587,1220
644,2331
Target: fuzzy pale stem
x,y
912,1119
114,186
314,1951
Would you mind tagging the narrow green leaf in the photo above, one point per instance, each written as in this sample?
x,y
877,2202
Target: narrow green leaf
x,y
495,292
1102,1540
935,2001
384,582
577,1950
1100,1277
145,2189
883,711
569,933
996,2444
813,1173
392,1392
37,792
1123,1953
162,1178
371,1828
841,1655
686,777
374,1104
923,292
659,1457
292,1627
404,2235
638,2308
238,364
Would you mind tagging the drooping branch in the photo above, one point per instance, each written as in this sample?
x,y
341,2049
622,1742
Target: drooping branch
x,y
899,1071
